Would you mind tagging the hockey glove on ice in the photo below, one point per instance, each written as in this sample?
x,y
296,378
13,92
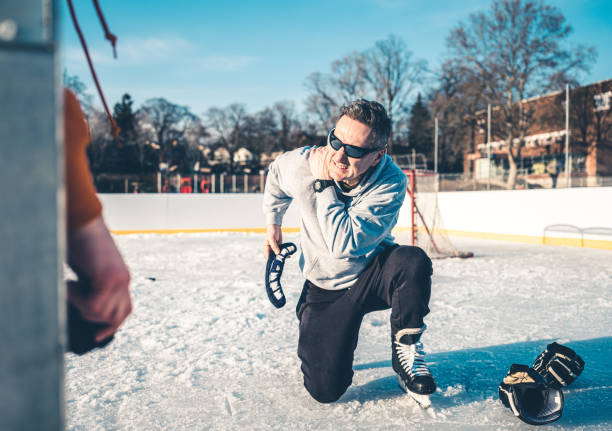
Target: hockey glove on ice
x,y
526,393
81,333
559,365
274,270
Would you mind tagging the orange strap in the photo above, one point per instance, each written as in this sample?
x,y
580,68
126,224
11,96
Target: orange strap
x,y
109,36
113,39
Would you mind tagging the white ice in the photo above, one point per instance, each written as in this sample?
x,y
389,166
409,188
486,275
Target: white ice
x,y
204,348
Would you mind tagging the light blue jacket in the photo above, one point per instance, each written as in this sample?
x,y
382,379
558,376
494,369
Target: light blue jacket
x,y
340,232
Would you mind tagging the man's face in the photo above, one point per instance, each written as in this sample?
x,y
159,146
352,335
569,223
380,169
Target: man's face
x,y
348,169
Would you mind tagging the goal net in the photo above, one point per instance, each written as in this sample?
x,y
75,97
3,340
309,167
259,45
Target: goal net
x,y
426,229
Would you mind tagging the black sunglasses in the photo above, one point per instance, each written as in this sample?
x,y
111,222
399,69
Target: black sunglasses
x,y
350,150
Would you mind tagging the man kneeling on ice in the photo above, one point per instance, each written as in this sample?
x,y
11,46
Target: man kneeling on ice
x,y
349,194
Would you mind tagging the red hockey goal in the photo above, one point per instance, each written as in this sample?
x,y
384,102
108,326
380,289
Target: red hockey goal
x,y
426,229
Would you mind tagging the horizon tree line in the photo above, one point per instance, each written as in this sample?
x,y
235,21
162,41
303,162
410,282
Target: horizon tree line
x,y
515,50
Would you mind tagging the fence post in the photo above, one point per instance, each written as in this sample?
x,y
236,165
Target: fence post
x,y
233,183
567,119
221,183
158,182
261,181
32,219
489,147
436,145
246,183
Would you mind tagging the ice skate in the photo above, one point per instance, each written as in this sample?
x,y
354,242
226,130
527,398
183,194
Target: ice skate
x,y
408,361
421,399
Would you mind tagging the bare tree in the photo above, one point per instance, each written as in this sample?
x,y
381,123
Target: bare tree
x,y
592,123
288,124
100,139
195,132
228,123
319,113
166,121
518,50
457,99
259,132
602,121
345,82
387,72
392,75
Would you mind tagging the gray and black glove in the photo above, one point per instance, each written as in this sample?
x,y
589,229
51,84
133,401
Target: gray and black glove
x,y
559,365
526,393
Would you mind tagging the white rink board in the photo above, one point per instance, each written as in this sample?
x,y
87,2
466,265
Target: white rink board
x,y
526,212
512,212
149,212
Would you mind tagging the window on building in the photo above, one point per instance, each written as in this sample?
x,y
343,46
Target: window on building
x,y
602,101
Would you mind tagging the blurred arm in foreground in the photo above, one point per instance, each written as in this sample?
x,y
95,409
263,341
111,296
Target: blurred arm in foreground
x,y
99,301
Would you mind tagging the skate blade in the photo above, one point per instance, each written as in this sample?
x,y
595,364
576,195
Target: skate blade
x,y
423,400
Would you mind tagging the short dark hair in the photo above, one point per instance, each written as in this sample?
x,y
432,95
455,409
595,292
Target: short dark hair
x,y
371,114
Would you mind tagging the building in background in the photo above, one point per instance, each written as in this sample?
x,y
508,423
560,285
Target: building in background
x,y
541,161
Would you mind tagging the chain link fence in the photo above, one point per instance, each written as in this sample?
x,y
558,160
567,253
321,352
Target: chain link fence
x,y
175,183
254,183
463,182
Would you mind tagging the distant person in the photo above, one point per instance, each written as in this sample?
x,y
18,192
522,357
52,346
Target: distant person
x,y
150,157
201,163
551,169
349,194
178,163
100,296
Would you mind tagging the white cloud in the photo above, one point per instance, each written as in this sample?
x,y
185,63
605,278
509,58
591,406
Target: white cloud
x,y
224,62
75,54
390,4
134,51
156,50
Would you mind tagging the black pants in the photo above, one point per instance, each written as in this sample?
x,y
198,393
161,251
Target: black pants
x,y
398,278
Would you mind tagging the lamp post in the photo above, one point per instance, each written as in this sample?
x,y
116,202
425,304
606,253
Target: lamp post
x,y
436,145
567,163
489,147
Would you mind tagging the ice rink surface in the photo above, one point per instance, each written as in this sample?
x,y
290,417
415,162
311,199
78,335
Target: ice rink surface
x,y
204,349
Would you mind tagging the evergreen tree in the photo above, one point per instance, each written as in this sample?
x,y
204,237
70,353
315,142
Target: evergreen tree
x,y
123,156
125,119
420,135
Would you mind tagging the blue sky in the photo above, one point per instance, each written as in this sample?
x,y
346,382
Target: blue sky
x,y
213,53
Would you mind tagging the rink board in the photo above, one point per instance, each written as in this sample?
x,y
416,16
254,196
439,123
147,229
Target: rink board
x,y
527,216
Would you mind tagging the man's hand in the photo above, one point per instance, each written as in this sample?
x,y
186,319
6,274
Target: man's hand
x,y
101,293
319,160
274,238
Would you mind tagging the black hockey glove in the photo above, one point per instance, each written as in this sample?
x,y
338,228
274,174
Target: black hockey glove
x,y
81,332
559,365
526,393
274,270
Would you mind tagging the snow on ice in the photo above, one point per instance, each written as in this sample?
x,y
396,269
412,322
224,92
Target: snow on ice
x,y
205,349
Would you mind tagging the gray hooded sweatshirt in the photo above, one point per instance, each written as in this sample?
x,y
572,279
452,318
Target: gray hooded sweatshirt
x,y
340,232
